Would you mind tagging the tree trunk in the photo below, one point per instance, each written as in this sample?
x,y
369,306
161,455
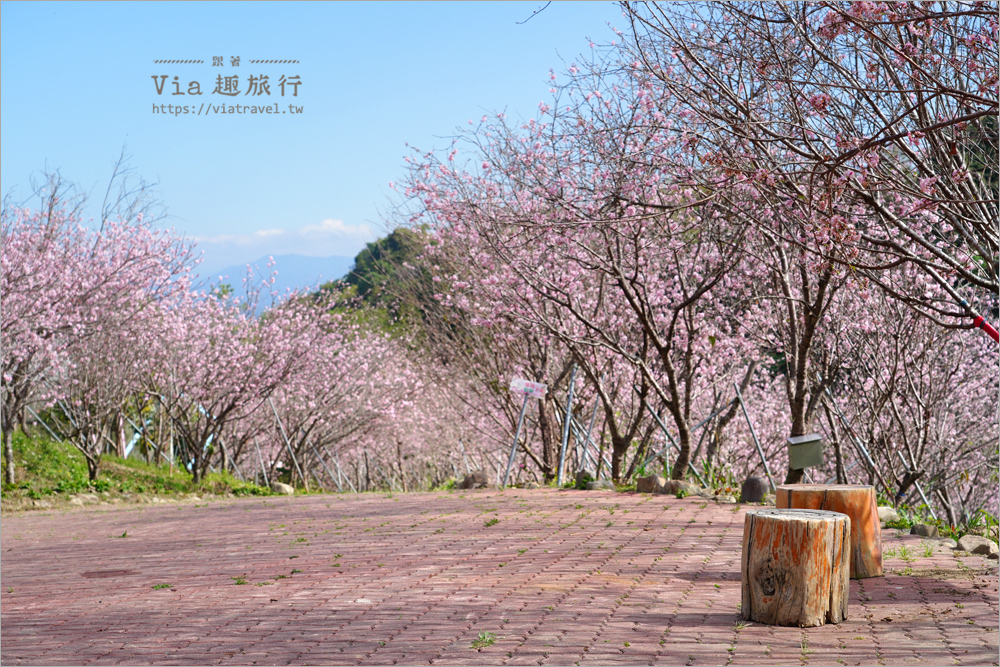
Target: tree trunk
x,y
550,456
619,448
119,426
368,475
399,460
93,467
8,453
795,567
600,456
857,502
794,476
684,455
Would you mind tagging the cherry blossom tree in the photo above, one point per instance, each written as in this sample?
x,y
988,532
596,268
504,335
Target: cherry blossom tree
x,y
216,364
68,290
574,231
881,117
924,400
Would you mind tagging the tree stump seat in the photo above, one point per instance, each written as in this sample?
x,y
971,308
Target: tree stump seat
x,y
856,501
795,567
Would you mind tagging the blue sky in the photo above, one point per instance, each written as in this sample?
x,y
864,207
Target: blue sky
x,y
77,87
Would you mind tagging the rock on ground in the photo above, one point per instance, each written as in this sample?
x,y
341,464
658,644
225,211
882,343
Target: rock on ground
x,y
887,514
475,480
924,530
285,489
649,484
600,484
977,544
675,486
753,490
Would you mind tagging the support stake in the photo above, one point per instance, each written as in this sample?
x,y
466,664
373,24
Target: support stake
x,y
513,445
760,450
565,436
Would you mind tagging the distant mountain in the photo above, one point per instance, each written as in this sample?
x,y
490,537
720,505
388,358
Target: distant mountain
x,y
294,272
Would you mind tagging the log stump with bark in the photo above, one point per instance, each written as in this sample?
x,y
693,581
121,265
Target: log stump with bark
x,y
856,501
795,567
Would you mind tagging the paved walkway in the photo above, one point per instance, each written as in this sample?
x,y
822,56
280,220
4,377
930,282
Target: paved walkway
x,y
553,577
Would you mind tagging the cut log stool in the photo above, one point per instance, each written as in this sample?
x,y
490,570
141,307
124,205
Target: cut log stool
x,y
857,502
795,566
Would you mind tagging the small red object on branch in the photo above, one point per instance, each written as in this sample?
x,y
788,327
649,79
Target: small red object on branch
x,y
981,323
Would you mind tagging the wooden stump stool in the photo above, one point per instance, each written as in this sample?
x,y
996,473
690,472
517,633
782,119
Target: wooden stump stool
x,y
795,565
857,502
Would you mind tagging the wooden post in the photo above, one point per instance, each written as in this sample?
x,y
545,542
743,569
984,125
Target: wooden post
x,y
794,567
856,501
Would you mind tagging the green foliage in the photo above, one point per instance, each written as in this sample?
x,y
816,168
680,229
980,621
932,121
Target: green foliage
x,y
378,263
980,522
447,486
47,466
902,524
224,482
388,288
491,522
222,290
48,469
981,518
483,640
581,483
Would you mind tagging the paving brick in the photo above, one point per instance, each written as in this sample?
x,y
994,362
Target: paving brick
x,y
563,595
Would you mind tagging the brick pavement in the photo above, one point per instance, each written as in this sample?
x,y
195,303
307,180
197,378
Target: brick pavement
x,y
560,578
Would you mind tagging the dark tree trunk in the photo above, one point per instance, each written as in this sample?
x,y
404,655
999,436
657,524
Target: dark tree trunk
x,y
619,448
550,457
8,453
93,467
399,460
794,476
683,456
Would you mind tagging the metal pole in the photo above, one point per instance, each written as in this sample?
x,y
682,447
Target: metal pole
x,y
693,428
171,445
579,435
711,416
585,439
346,476
340,489
760,450
263,468
857,443
39,420
513,445
287,443
569,416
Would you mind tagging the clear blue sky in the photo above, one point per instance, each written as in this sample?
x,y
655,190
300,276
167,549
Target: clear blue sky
x,y
77,87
